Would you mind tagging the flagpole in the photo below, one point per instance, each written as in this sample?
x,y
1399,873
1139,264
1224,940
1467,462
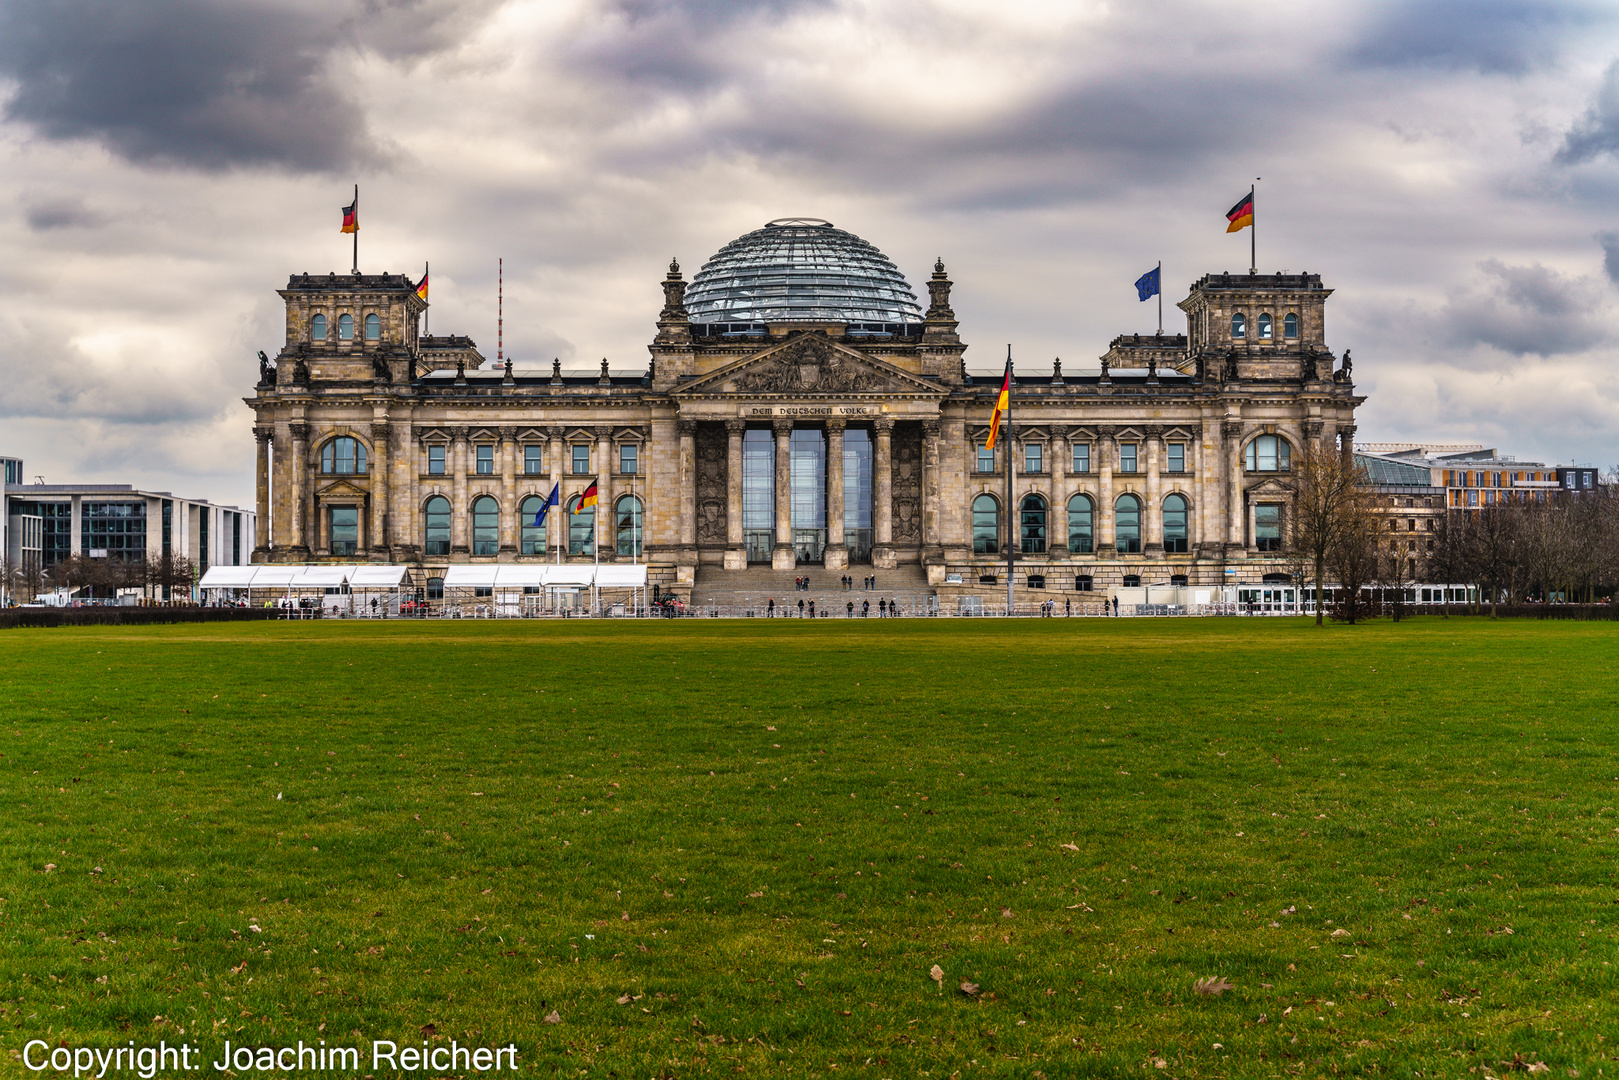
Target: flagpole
x,y
1011,513
427,316
1160,280
1253,232
356,228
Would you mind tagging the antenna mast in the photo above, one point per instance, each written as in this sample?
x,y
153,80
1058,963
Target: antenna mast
x,y
500,315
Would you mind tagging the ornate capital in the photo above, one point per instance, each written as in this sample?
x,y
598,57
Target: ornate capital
x,y
555,431
836,426
932,428
1106,433
508,434
688,428
736,426
459,435
299,432
603,431
883,425
1154,431
1312,429
781,427
1231,429
1060,431
263,434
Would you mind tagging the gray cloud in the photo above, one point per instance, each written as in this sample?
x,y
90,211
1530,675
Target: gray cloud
x,y
43,215
1496,37
1528,310
1597,132
1610,255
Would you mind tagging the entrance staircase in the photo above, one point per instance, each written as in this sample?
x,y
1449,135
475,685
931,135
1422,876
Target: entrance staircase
x,y
739,591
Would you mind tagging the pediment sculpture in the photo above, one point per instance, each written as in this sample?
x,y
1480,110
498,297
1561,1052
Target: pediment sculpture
x,y
810,364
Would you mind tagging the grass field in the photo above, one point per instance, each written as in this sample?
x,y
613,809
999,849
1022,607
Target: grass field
x,y
740,847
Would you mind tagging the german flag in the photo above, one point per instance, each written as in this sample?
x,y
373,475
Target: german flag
x,y
588,498
1242,215
421,290
1002,403
351,216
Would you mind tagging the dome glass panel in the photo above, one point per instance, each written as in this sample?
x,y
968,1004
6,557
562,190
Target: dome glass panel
x,y
802,270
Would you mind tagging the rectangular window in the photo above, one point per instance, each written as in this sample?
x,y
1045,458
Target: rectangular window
x,y
581,459
1037,581
629,459
114,530
435,460
534,460
345,529
486,460
1082,457
1033,458
1082,583
1177,457
1268,527
1127,457
986,459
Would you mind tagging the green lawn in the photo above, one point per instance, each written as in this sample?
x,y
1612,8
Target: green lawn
x,y
721,848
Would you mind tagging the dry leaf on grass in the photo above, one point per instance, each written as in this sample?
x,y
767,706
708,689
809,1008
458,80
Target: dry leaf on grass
x,y
625,999
970,989
937,975
553,1017
1340,933
1212,986
1069,847
1006,913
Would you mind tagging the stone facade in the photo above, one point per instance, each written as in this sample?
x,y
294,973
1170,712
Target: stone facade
x,y
1168,421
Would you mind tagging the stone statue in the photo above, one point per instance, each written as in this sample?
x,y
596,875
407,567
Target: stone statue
x,y
266,369
1152,370
1105,376
1310,372
604,369
460,371
1056,370
1231,365
556,370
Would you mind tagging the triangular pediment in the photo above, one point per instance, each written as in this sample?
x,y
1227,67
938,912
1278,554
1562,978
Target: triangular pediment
x,y
340,488
809,364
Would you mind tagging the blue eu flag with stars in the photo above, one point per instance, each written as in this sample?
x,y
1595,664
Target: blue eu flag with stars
x,y
1147,284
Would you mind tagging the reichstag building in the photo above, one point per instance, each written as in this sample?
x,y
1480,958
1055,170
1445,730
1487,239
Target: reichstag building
x,y
800,410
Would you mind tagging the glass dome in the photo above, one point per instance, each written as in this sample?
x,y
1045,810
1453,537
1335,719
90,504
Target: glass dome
x,y
802,270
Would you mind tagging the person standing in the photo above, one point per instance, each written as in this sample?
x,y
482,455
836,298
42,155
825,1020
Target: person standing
x,y
801,609
770,608
812,609
865,608
851,610
882,609
1115,607
1068,608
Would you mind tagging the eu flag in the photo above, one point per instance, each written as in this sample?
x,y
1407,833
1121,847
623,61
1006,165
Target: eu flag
x,y
552,500
1147,284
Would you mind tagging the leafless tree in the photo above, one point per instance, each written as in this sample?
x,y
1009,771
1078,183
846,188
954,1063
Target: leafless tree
x,y
1353,559
1329,494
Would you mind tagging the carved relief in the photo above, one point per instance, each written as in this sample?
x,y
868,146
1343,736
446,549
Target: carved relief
x,y
810,364
711,465
907,466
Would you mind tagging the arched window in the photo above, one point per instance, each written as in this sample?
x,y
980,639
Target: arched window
x,y
986,525
345,328
344,456
1081,525
373,327
1127,525
581,528
485,526
532,541
1175,524
437,513
1264,327
1269,453
317,328
1032,524
1290,326
435,585
627,524
1239,325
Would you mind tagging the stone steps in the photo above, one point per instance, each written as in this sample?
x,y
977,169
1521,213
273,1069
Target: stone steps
x,y
751,588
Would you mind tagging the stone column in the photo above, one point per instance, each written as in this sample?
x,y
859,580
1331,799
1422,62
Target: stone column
x,y
606,523
261,527
782,556
508,491
377,531
556,529
688,488
1236,515
299,463
736,554
1102,461
882,495
837,548
458,500
932,525
1211,486
1153,541
1057,519
1346,444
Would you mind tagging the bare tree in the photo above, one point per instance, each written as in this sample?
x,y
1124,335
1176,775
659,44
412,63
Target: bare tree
x,y
1328,494
1353,558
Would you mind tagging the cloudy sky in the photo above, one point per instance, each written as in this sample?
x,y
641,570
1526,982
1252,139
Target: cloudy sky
x,y
1451,168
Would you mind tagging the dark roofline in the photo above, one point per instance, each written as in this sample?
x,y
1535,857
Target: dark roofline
x,y
383,282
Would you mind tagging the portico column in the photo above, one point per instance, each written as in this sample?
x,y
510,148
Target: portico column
x,y
882,494
1236,516
782,556
1154,546
1057,531
508,491
261,527
300,452
606,522
1106,447
688,486
932,533
837,551
556,532
458,501
1346,444
736,555
377,538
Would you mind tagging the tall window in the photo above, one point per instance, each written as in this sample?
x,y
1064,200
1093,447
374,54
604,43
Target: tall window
x,y
1127,525
1264,328
110,530
532,538
345,328
437,515
581,528
534,460
1239,325
629,458
1175,524
1269,453
986,459
343,455
1290,326
986,525
317,328
1082,457
627,525
1268,527
1033,458
435,459
344,522
485,526
857,521
1081,525
486,460
1127,457
1177,457
373,327
1032,524
758,493
581,459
